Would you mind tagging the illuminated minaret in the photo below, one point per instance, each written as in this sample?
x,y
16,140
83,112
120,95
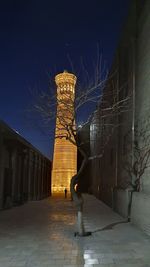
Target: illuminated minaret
x,y
65,153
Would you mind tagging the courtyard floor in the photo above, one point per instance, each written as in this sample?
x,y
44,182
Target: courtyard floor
x,y
41,234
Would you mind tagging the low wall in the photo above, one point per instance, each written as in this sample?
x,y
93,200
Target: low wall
x,y
120,202
140,211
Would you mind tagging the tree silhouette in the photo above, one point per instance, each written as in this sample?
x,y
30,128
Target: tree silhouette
x,y
90,90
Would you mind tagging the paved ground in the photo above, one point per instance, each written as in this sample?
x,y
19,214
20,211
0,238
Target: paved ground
x,y
41,234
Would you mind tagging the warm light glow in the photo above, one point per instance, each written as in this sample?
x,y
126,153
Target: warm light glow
x,y
65,153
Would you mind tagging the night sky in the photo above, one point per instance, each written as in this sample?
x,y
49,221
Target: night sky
x,y
35,39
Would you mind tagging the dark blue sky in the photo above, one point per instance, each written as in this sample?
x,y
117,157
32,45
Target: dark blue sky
x,y
35,38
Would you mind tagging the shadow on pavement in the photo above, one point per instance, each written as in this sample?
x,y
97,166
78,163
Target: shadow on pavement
x,y
109,226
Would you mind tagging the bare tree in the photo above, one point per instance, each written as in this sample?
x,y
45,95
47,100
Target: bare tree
x,y
137,157
90,90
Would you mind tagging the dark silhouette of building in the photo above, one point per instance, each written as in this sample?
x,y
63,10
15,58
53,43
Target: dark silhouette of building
x,y
25,174
84,185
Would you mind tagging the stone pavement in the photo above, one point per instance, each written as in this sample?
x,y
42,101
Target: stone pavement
x,y
41,234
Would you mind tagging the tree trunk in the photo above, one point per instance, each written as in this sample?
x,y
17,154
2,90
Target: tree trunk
x,y
80,223
77,197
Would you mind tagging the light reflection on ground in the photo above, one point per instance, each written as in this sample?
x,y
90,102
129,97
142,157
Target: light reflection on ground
x,y
41,234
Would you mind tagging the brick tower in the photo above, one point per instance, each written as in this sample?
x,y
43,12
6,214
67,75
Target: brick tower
x,y
65,153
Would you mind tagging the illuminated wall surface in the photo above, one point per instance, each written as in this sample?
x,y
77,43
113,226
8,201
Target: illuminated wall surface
x,y
65,153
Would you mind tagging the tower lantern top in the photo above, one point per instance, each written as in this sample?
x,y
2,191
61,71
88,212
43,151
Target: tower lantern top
x,y
65,78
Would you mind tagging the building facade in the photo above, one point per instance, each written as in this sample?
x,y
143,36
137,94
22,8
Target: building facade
x,y
84,185
25,174
110,180
65,153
